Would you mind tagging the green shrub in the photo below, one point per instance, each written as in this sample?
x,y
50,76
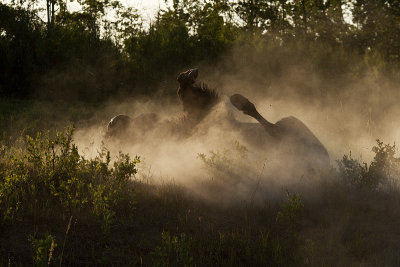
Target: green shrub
x,y
43,250
50,178
291,211
173,251
352,172
288,220
381,172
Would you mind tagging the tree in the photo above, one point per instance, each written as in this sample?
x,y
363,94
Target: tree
x,y
378,24
257,14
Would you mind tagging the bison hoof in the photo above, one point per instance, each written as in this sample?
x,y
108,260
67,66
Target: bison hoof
x,y
243,104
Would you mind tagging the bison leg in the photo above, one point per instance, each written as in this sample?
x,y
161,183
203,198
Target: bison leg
x,y
292,130
248,108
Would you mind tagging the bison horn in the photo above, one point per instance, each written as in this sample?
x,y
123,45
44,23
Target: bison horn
x,y
193,74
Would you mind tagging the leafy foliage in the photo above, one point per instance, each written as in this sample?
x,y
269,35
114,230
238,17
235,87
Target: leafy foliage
x,y
382,171
90,55
43,250
50,177
174,251
47,181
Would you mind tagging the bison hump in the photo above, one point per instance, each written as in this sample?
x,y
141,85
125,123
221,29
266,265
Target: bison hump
x,y
297,129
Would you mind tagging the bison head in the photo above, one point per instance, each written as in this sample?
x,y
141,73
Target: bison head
x,y
188,77
197,100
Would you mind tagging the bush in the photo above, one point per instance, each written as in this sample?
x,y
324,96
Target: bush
x,y
43,250
381,171
49,177
173,251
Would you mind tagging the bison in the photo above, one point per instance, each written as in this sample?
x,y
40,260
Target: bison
x,y
289,135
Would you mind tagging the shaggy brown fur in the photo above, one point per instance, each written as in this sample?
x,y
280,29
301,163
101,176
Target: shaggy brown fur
x,y
197,100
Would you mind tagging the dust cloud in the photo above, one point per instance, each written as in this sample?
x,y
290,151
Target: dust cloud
x,y
217,162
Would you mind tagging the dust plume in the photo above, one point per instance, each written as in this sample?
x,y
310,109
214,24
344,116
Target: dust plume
x,y
217,162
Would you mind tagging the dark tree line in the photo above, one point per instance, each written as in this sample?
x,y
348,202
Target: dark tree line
x,y
87,55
